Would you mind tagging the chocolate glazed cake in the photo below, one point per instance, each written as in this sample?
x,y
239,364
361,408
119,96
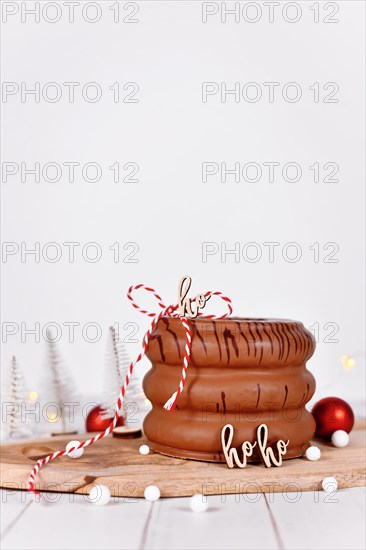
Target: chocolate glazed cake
x,y
243,372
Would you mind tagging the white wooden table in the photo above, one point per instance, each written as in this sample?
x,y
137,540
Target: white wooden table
x,y
256,521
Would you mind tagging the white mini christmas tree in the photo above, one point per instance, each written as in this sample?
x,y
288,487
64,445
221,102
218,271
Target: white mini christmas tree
x,y
112,373
60,398
116,367
15,401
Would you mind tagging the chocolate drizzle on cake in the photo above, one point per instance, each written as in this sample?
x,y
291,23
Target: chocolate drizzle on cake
x,y
253,338
279,339
302,400
302,343
217,338
291,331
259,395
268,336
308,343
223,402
243,336
201,338
229,336
260,340
159,339
287,340
166,321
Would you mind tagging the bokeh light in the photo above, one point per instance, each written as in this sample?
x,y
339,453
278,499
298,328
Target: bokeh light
x,y
52,417
33,395
348,362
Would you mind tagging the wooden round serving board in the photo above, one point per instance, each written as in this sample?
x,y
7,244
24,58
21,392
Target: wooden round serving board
x,y
117,463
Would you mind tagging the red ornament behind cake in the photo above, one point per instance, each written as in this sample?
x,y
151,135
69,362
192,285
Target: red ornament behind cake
x,y
243,372
332,414
96,421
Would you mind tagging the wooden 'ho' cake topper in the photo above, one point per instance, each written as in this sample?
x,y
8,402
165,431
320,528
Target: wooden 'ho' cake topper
x,y
187,307
267,453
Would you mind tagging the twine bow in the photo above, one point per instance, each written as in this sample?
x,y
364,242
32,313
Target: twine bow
x,y
166,311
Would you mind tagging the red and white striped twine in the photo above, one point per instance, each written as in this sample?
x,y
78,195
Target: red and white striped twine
x,y
170,311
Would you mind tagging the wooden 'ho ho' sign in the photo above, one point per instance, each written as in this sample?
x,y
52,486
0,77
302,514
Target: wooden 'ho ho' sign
x,y
267,453
187,307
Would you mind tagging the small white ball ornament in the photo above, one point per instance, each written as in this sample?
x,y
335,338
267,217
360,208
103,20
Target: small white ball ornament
x,y
340,438
329,484
144,450
313,453
74,454
152,493
198,503
100,495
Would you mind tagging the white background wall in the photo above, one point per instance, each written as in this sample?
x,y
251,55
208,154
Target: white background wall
x,y
169,52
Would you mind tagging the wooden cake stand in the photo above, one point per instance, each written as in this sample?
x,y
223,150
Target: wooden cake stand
x,y
117,463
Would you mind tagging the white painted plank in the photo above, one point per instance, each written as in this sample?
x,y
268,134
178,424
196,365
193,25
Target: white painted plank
x,y
315,521
13,505
319,520
231,522
72,522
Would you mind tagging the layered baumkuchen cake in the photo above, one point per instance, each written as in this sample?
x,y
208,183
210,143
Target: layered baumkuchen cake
x,y
243,372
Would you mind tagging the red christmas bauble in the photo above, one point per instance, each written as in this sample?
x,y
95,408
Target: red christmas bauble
x,y
332,414
97,422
